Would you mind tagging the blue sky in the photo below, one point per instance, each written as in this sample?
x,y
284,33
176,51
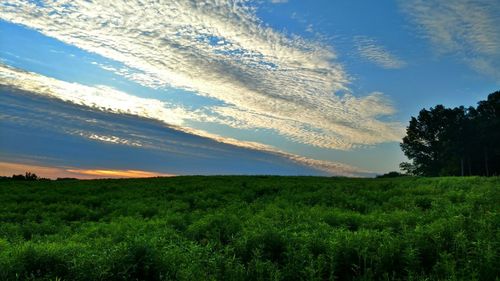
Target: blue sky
x,y
236,87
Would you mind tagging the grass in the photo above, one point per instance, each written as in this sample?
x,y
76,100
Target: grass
x,y
251,228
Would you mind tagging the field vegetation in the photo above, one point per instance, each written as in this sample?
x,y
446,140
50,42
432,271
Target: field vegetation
x,y
251,228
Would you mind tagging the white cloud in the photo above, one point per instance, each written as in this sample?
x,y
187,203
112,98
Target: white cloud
x,y
98,97
220,49
486,66
469,29
279,1
372,51
134,75
329,167
110,139
111,100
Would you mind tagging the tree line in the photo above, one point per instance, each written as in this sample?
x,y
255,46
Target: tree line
x,y
458,141
29,176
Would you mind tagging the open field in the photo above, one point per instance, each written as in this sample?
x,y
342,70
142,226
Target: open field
x,y
251,228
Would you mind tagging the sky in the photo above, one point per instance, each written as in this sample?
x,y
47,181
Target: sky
x,y
136,88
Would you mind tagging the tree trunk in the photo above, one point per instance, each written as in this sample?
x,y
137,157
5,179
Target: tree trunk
x,y
486,162
468,164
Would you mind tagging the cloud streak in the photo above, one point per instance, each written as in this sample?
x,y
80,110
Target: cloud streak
x,y
116,173
14,168
468,29
99,97
221,50
371,50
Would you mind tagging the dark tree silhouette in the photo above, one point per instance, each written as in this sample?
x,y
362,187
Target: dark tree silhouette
x,y
433,141
392,174
454,141
488,126
27,176
31,176
18,177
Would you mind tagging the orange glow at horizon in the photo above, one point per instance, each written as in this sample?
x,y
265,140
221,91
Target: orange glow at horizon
x,y
10,168
118,173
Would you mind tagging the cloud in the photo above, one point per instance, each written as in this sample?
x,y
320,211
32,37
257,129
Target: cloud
x,y
116,173
99,97
279,1
14,168
110,139
329,167
10,168
221,50
372,51
133,75
468,29
76,110
486,66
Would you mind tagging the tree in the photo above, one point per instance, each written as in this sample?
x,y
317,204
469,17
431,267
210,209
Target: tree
x,y
488,125
392,174
27,176
18,177
434,142
454,141
31,176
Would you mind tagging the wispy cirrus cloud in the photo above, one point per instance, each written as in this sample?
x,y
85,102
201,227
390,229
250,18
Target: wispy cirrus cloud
x,y
371,50
133,75
468,29
222,50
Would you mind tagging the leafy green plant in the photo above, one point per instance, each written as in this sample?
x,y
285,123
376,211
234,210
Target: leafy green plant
x,y
251,228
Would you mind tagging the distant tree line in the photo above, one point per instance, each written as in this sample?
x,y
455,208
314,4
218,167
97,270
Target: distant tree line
x,y
392,174
29,176
454,141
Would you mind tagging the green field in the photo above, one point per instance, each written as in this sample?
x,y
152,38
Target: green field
x,y
251,228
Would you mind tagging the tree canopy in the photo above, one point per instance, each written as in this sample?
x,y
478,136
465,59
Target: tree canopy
x,y
456,141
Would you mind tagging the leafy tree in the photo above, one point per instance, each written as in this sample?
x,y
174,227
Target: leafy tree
x,y
434,141
454,141
488,125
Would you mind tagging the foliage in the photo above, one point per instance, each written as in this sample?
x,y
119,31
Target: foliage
x,y
455,141
392,174
251,228
28,176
